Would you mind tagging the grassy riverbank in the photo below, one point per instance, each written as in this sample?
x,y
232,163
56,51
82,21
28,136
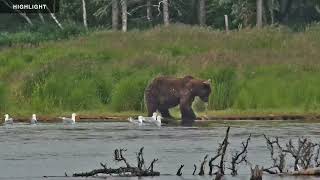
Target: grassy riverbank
x,y
267,70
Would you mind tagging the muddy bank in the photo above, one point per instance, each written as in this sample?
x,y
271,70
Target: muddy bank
x,y
201,120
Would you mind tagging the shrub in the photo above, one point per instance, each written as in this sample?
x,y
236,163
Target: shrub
x,y
224,88
128,94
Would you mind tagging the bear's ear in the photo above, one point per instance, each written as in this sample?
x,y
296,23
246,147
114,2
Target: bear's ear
x,y
208,82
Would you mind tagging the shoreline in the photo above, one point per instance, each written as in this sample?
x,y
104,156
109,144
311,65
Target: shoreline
x,y
201,119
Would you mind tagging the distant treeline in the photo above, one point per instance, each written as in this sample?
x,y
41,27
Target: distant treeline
x,y
141,14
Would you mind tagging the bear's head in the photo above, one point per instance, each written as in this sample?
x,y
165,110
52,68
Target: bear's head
x,y
201,88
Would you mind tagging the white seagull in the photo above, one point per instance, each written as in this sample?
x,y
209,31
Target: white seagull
x,y
158,121
71,120
150,119
33,119
7,119
138,121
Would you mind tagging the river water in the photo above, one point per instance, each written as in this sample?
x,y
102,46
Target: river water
x,y
31,152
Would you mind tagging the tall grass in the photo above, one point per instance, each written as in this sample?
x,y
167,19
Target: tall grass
x,y
3,97
224,89
128,94
39,34
251,69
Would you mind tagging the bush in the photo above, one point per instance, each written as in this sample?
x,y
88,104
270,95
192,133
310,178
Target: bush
x,y
224,88
40,33
67,92
128,94
104,89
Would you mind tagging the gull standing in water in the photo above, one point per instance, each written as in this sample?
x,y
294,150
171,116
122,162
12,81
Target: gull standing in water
x,y
7,119
71,120
138,121
33,119
157,122
150,119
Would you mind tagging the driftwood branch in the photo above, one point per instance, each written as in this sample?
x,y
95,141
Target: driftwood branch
x,y
278,161
211,165
150,168
140,158
224,146
179,172
123,171
118,156
239,157
194,169
201,172
256,173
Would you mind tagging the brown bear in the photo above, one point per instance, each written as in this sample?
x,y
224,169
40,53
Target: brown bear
x,y
167,92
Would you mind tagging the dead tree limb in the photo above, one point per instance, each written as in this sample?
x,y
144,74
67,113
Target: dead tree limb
x,y
150,168
239,157
256,173
278,162
194,169
179,173
122,171
211,165
201,172
219,176
224,146
118,156
140,158
316,157
302,154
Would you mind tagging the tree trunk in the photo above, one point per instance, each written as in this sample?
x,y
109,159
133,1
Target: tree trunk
x,y
115,15
26,18
41,18
124,10
202,12
149,10
84,14
165,12
259,13
285,6
56,20
272,12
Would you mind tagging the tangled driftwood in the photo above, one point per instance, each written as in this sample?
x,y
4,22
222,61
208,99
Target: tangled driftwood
x,y
304,152
237,158
128,170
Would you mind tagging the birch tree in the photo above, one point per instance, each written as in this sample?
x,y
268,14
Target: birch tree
x,y
202,12
115,14
124,10
259,13
84,14
41,18
149,10
165,12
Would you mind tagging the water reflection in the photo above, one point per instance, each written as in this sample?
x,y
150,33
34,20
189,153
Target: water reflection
x,y
30,152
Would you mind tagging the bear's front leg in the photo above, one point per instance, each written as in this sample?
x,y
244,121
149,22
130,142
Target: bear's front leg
x,y
187,114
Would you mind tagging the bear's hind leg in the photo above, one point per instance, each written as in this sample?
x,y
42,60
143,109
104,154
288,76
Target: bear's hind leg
x,y
151,107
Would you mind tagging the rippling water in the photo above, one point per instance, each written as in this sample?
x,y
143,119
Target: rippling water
x,y
30,152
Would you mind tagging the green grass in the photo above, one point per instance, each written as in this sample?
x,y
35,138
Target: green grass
x,y
39,33
252,70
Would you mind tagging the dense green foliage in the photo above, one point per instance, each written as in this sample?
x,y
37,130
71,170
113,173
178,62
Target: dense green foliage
x,y
242,13
37,34
251,69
